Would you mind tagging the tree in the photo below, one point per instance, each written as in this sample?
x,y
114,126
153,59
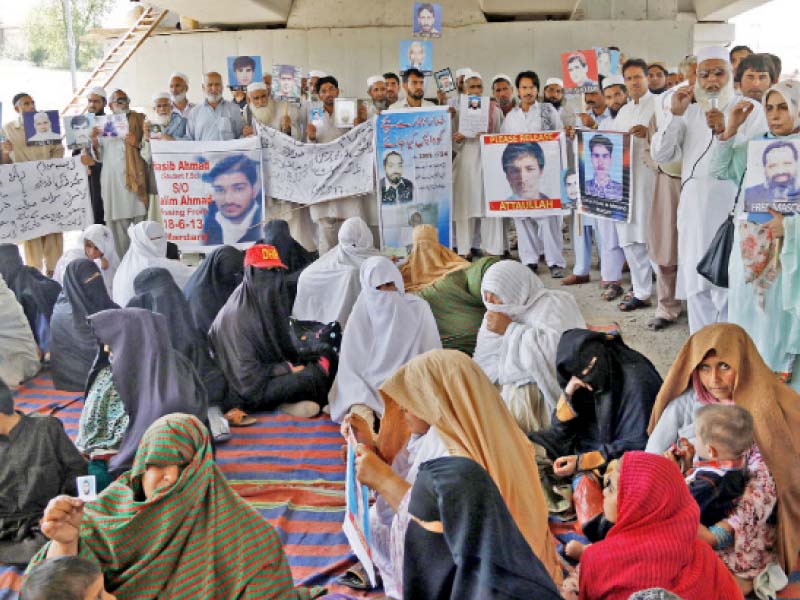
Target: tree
x,y
45,31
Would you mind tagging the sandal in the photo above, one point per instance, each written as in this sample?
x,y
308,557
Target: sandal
x,y
633,303
613,291
236,417
658,324
356,577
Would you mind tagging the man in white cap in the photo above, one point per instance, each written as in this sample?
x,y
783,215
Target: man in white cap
x,y
268,112
96,105
376,90
503,93
178,86
469,203
553,94
698,116
166,124
216,118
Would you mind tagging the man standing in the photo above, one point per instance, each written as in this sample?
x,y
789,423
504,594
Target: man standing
x,y
553,94
263,110
216,118
124,177
755,75
503,93
634,118
43,252
330,215
392,88
414,87
469,201
705,201
657,78
376,90
597,113
535,234
178,86
95,104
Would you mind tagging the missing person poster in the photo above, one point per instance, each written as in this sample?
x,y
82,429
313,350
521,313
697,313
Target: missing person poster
x,y
356,516
579,70
42,128
112,125
522,174
78,131
345,111
604,166
242,71
416,54
444,80
413,151
427,20
210,193
772,178
607,61
473,115
286,82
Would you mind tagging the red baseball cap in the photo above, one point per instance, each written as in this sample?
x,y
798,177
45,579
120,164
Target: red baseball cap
x,y
263,256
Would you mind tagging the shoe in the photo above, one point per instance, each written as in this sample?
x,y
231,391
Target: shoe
x,y
534,268
576,279
238,418
476,253
556,272
305,409
658,324
507,255
218,424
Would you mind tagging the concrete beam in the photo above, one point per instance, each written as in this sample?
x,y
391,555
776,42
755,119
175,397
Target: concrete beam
x,y
722,10
314,14
626,10
527,7
713,34
239,12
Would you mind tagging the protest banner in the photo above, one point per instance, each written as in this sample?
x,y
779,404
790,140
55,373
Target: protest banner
x,y
42,128
286,82
417,54
413,151
772,179
579,71
242,71
522,174
427,20
604,166
310,173
78,131
356,516
473,115
38,197
210,193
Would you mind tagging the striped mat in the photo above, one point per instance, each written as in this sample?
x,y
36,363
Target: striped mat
x,y
289,469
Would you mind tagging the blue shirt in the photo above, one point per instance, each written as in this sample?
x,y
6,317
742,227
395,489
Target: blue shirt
x,y
176,128
209,124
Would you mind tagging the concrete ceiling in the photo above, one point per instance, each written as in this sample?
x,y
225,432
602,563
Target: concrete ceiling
x,y
231,12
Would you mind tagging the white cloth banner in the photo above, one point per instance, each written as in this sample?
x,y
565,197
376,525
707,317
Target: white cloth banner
x,y
43,196
310,173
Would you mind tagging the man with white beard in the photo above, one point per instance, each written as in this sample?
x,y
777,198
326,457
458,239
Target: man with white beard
x,y
171,123
178,86
268,112
469,202
698,115
216,118
634,118
376,90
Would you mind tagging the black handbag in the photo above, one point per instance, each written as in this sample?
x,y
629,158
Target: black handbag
x,y
714,264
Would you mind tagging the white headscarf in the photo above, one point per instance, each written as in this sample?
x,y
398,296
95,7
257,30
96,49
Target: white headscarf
x,y
328,288
526,353
67,257
385,330
103,239
148,249
790,91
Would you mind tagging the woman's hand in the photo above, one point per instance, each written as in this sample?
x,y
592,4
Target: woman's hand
x,y
566,465
360,428
371,470
574,549
497,322
574,385
775,224
62,524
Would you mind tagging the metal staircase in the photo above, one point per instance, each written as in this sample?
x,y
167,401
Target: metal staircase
x,y
116,58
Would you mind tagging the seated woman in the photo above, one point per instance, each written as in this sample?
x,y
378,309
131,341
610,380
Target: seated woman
x,y
148,249
328,288
457,305
294,256
429,260
74,345
212,283
451,554
447,392
176,494
720,364
518,339
609,392
386,328
98,245
654,540
36,293
252,342
122,398
19,355
37,461
69,255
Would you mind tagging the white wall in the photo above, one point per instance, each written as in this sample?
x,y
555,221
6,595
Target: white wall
x,y
353,54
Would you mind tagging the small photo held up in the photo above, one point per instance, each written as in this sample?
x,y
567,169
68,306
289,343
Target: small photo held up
x,y
87,488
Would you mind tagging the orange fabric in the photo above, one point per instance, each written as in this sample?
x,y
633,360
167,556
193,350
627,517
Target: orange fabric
x,y
776,415
429,260
448,390
135,167
588,499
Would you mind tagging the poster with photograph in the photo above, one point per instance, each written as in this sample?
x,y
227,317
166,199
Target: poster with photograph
x,y
316,113
287,82
579,71
473,115
242,71
607,61
522,174
345,111
210,193
772,179
604,166
112,125
356,516
444,80
42,128
416,54
427,20
78,131
413,151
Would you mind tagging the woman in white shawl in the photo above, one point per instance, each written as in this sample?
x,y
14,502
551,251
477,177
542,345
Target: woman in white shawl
x,y
19,355
148,249
518,339
328,288
386,329
98,245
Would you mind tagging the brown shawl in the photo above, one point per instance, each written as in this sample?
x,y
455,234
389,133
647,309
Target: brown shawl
x,y
135,167
429,260
776,414
448,390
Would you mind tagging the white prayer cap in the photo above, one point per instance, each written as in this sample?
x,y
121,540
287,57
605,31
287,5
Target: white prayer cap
x,y
463,71
180,75
554,81
373,80
161,96
713,53
504,77
317,74
96,91
256,85
472,75
613,80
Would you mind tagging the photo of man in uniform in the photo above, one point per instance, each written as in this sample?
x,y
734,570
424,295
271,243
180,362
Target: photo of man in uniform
x,y
779,160
523,165
601,185
79,130
395,189
235,214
